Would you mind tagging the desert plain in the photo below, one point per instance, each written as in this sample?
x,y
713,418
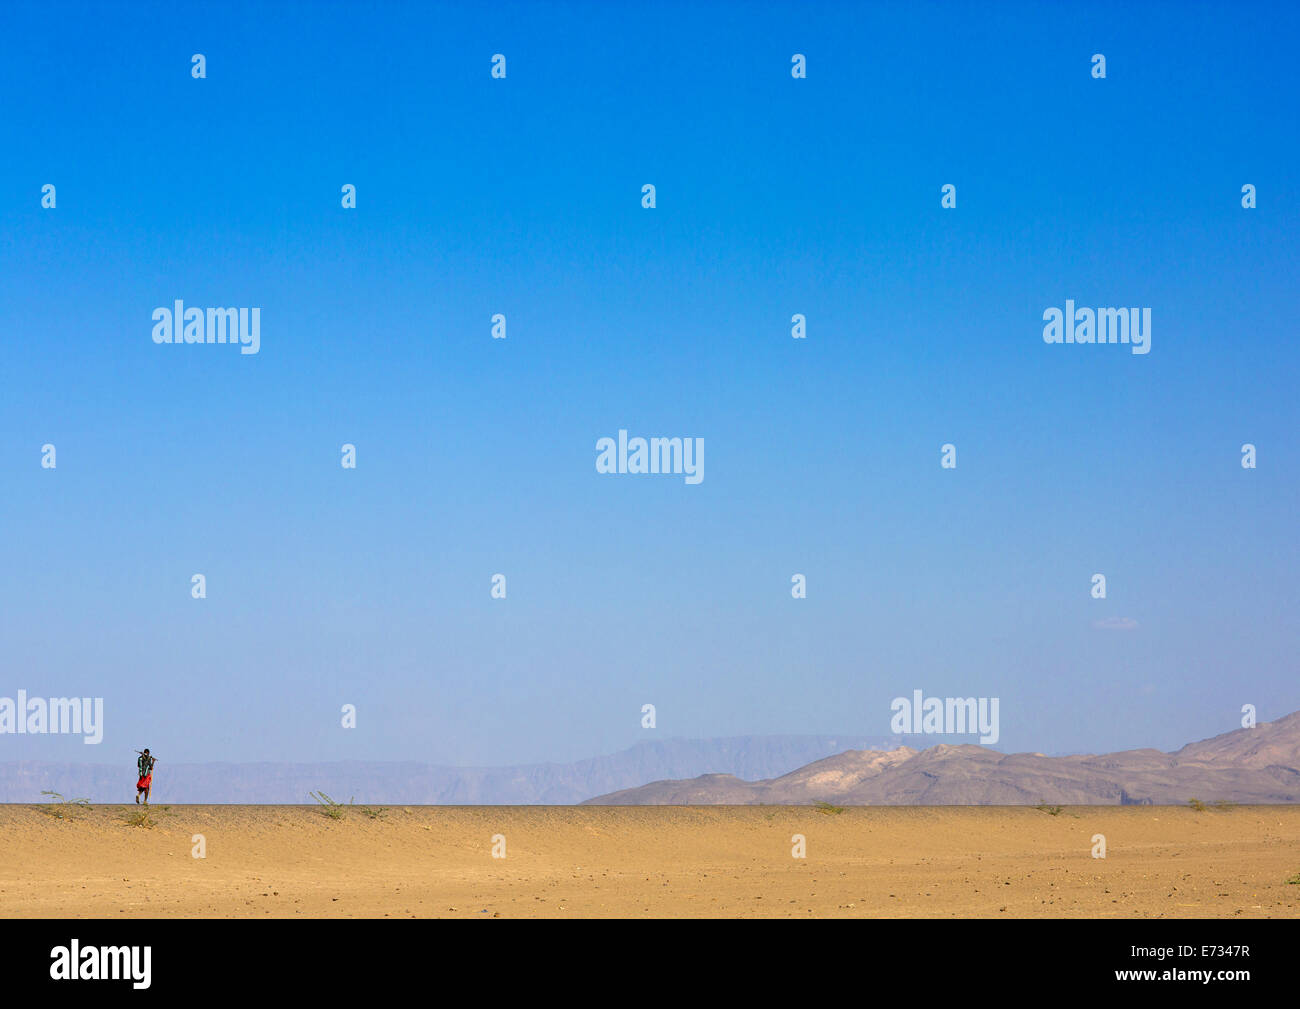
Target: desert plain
x,y
649,861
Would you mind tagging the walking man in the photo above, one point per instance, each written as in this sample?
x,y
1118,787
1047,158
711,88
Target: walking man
x,y
145,766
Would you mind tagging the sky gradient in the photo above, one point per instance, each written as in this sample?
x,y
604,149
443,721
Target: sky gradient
x,y
475,456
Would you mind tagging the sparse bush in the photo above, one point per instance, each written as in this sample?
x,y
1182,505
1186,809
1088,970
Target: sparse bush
x,y
827,808
1197,805
1049,810
1295,880
61,808
332,809
377,813
137,817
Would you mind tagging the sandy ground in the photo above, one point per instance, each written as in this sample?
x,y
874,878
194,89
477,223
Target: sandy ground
x,y
714,861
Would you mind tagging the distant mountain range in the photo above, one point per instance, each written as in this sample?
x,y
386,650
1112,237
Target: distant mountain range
x,y
1257,765
417,784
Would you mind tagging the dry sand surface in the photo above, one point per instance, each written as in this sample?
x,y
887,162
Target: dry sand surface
x,y
663,861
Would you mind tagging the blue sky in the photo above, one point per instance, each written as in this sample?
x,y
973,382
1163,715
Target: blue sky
x,y
522,196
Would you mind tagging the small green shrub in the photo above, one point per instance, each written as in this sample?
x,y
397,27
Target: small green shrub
x,y
332,809
140,817
61,808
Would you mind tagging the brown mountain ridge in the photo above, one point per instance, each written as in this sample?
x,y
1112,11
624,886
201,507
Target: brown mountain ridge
x,y
1255,765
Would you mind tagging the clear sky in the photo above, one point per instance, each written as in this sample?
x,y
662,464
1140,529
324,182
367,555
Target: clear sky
x,y
475,456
